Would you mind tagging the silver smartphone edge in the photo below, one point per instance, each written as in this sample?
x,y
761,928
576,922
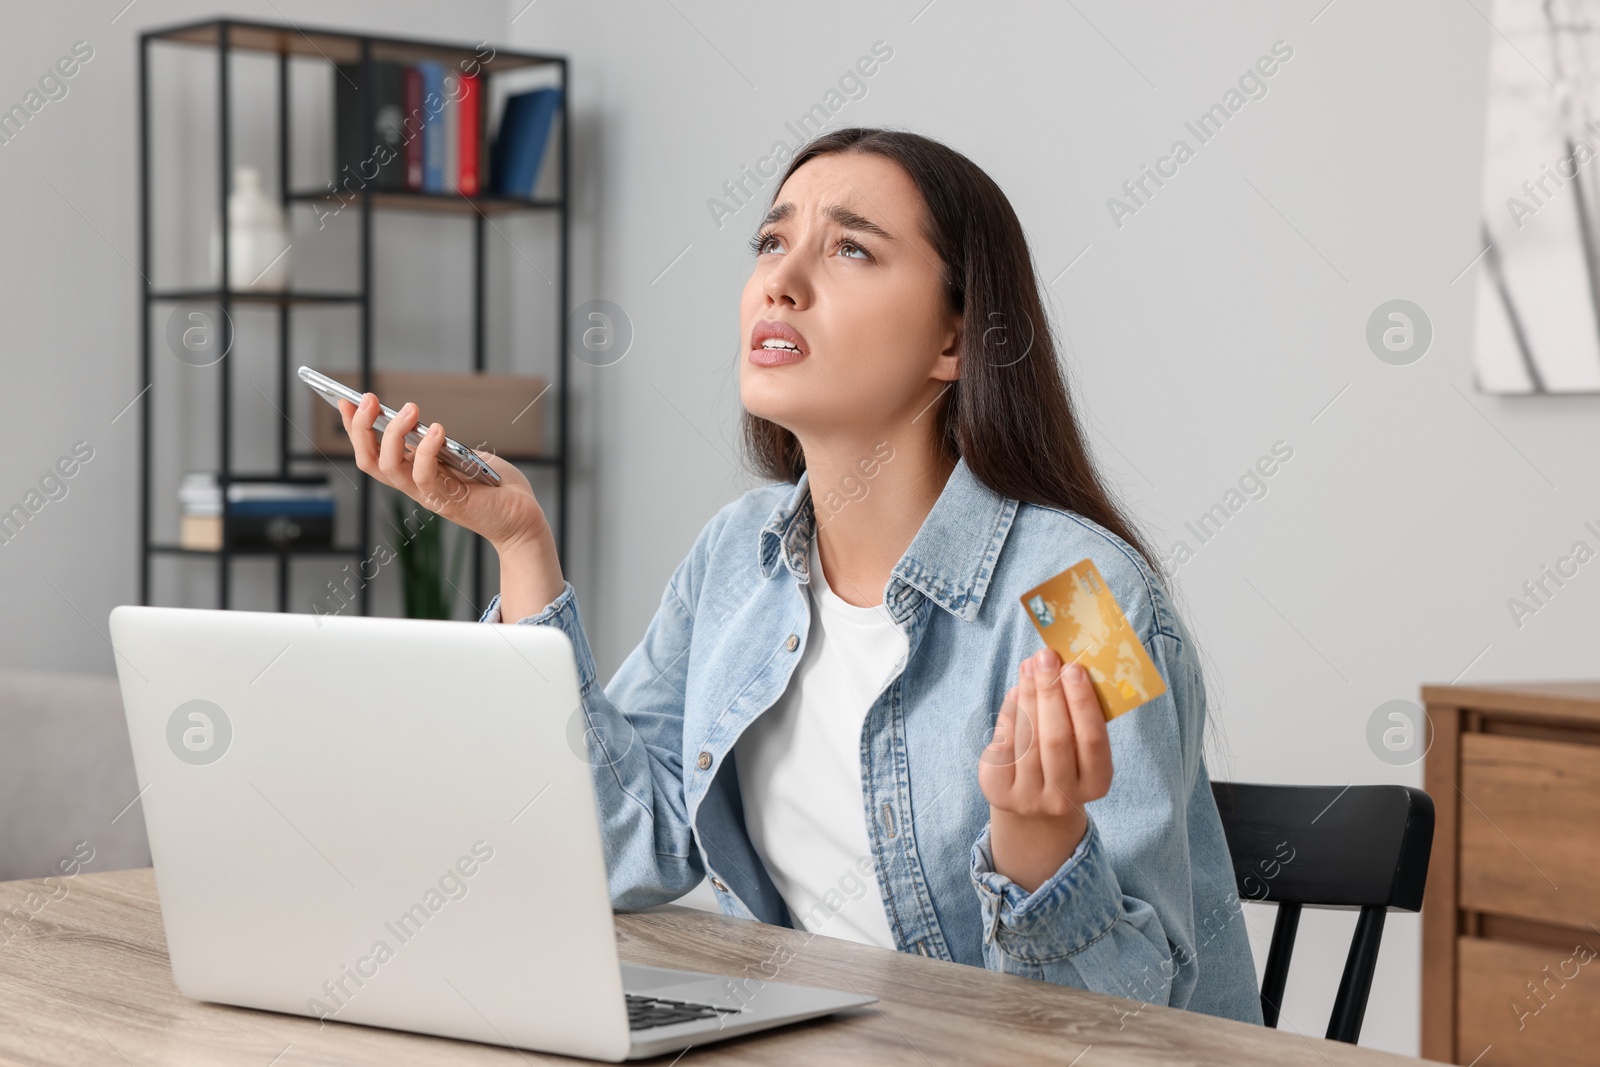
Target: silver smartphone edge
x,y
455,453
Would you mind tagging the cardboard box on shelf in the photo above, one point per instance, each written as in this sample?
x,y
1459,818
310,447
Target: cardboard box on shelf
x,y
493,412
203,532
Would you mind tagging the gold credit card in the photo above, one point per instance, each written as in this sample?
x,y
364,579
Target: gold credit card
x,y
1081,621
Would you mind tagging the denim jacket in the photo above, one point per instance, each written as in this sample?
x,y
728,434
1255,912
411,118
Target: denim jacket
x,y
1144,908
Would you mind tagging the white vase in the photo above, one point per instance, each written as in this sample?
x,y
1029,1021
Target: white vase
x,y
258,241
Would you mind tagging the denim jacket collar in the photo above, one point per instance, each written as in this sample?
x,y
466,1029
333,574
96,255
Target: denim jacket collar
x,y
950,561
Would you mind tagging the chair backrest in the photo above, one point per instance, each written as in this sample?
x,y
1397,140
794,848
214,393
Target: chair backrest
x,y
1358,846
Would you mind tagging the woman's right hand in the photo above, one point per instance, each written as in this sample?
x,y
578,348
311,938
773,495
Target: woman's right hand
x,y
506,515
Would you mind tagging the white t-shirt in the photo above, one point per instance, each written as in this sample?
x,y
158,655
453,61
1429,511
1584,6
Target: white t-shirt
x,y
800,769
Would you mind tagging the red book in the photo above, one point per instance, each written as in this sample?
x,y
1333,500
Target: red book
x,y
411,128
468,124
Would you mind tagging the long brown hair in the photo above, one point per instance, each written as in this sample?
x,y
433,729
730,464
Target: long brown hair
x,y
1009,414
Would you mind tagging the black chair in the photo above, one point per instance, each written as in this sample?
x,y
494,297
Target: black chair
x,y
1361,846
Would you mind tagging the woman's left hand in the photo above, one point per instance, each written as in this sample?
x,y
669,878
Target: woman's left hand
x,y
1050,756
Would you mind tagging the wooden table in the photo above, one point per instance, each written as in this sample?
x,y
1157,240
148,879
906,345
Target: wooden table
x,y
90,983
1511,919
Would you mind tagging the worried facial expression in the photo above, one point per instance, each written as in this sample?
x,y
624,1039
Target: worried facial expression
x,y
845,323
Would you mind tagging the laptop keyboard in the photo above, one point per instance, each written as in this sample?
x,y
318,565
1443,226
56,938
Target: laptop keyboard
x,y
645,1012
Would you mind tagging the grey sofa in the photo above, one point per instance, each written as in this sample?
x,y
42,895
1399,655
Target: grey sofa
x,y
66,776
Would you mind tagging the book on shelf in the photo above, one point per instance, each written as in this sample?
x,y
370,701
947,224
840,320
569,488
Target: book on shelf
x,y
468,123
263,511
413,139
375,155
431,132
520,148
449,134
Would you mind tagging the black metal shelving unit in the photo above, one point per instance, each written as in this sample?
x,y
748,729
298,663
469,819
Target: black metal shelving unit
x,y
226,36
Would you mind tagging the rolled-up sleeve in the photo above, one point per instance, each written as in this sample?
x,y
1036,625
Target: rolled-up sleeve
x,y
562,613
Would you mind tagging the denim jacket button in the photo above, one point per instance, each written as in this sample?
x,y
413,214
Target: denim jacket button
x,y
704,761
718,883
794,640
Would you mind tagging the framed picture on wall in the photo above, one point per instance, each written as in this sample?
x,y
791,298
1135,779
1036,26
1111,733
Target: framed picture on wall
x,y
1537,325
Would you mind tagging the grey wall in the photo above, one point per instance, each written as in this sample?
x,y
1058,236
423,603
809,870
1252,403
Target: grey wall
x,y
1225,315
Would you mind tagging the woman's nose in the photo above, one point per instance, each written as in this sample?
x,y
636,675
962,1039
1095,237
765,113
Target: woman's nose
x,y
787,283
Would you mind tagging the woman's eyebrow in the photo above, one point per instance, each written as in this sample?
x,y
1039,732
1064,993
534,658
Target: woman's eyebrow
x,y
837,212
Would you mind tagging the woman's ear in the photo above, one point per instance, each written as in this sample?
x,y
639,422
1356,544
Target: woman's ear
x,y
948,367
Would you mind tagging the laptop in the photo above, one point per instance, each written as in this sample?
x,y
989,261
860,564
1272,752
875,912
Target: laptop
x,y
393,822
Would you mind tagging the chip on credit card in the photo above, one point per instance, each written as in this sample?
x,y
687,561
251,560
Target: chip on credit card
x,y
1081,621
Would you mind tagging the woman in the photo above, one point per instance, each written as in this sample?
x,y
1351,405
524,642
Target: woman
x,y
838,714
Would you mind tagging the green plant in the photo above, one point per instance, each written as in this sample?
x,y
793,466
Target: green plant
x,y
427,591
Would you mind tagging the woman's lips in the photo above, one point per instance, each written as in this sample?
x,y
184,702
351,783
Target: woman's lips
x,y
774,343
775,357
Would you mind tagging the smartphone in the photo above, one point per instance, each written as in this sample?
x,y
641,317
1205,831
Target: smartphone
x,y
454,454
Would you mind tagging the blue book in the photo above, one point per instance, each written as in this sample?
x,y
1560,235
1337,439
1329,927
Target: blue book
x,y
512,118
433,105
520,147
299,507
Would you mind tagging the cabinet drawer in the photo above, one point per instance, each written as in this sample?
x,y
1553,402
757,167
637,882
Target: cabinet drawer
x,y
1555,1022
1528,811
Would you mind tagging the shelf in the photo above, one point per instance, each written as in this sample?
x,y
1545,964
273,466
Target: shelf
x,y
340,47
439,203
250,296
314,550
532,461
304,53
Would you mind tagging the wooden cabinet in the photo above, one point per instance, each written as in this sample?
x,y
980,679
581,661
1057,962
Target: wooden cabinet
x,y
1511,919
